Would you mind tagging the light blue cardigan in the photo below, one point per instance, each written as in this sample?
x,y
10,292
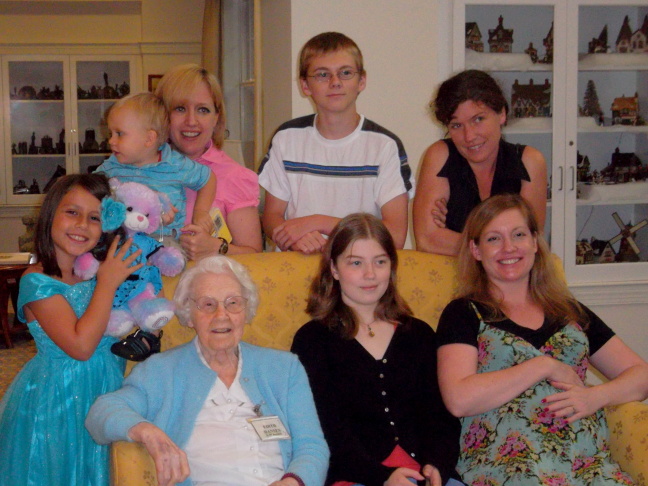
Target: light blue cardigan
x,y
169,390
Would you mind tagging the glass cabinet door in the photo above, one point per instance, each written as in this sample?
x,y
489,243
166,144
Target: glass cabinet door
x,y
35,132
98,85
607,216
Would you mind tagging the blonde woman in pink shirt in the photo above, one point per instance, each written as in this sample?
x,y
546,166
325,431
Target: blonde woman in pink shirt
x,y
194,100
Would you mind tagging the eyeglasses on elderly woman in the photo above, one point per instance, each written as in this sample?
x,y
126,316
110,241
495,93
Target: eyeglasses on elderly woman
x,y
209,305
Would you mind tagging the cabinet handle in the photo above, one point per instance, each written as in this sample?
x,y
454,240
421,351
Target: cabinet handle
x,y
561,178
573,177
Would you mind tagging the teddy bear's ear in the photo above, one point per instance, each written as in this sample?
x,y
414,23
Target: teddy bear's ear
x,y
113,214
114,184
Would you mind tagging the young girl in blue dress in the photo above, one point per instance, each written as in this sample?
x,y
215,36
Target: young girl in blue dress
x,y
43,439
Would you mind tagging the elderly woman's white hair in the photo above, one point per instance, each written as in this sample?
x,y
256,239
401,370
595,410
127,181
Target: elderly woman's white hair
x,y
217,265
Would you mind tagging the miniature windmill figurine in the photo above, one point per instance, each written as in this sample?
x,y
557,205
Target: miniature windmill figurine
x,y
628,232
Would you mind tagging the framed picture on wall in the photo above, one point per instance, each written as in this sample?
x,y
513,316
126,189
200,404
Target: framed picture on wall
x,y
153,80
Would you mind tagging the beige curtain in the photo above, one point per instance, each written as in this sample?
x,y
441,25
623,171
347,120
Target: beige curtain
x,y
211,44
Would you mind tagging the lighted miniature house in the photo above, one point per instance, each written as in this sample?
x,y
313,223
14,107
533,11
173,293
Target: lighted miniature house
x,y
500,39
473,37
548,43
625,110
584,253
532,52
600,45
624,167
639,39
583,168
623,42
531,100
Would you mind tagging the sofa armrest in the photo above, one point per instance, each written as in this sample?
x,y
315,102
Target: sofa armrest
x,y
131,465
628,424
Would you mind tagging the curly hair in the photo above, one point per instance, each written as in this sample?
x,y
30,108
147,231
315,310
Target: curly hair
x,y
470,85
216,265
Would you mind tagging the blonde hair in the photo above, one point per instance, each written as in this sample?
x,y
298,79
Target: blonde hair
x,y
179,82
150,110
546,286
326,43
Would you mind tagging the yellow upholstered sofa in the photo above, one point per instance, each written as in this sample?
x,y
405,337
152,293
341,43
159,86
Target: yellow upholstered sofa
x,y
427,282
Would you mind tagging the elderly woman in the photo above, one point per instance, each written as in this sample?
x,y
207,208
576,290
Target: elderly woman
x,y
217,410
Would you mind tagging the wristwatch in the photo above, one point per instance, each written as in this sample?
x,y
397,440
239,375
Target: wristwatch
x,y
224,246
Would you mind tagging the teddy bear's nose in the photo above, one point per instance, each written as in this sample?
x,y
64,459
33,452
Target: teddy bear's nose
x,y
140,218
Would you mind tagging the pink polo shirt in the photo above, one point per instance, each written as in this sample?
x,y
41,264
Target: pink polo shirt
x,y
237,186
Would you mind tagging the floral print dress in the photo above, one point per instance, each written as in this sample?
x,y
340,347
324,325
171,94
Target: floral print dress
x,y
520,444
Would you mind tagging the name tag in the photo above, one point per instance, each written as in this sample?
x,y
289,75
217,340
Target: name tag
x,y
269,428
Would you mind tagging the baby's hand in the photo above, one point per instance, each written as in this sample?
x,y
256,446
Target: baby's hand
x,y
117,267
202,219
169,215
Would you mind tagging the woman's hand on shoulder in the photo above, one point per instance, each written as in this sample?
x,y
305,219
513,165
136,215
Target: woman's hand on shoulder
x,y
171,462
117,266
401,475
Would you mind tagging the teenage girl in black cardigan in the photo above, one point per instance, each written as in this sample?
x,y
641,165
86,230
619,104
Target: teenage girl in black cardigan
x,y
372,367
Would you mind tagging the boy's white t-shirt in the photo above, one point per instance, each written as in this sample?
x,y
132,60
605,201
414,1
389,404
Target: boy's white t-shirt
x,y
358,173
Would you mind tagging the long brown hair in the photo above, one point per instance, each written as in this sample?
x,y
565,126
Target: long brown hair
x,y
325,297
95,184
546,286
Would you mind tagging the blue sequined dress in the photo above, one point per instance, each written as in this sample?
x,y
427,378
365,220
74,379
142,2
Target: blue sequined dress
x,y
42,437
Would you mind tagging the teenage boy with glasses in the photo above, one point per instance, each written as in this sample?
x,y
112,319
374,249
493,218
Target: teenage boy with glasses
x,y
321,167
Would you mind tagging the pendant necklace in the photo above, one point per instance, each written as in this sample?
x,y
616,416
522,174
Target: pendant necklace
x,y
371,333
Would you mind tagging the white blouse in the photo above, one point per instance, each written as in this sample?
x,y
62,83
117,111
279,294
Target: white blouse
x,y
224,448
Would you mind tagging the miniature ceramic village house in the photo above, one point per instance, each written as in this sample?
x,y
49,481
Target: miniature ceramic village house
x,y
473,37
625,110
500,39
531,100
628,41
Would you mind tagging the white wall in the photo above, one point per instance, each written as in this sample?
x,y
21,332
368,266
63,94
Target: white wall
x,y
397,40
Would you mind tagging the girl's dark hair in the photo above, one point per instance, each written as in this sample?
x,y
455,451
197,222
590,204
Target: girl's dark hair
x,y
95,184
470,85
325,297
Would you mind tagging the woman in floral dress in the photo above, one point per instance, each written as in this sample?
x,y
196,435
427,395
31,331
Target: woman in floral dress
x,y
513,353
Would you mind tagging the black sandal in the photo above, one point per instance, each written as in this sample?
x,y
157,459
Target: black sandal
x,y
138,346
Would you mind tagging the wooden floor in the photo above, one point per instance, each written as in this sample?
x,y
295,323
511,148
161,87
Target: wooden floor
x,y
12,360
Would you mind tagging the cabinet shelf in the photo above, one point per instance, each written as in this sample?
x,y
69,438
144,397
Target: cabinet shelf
x,y
495,61
613,62
20,102
34,156
528,125
99,100
589,125
611,194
